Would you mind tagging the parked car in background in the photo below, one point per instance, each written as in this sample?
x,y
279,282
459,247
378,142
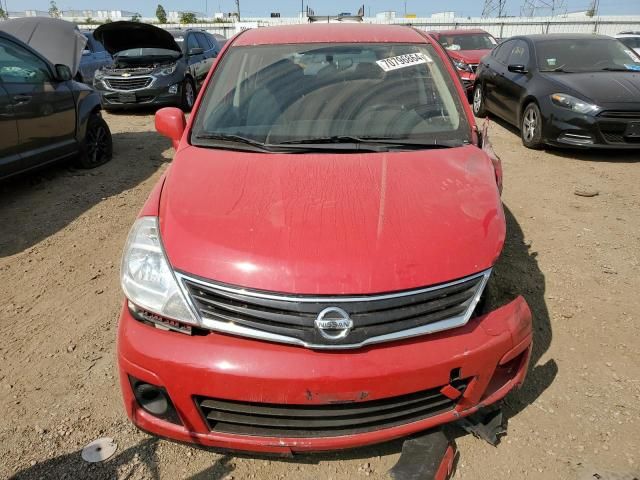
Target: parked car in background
x,y
631,40
221,39
152,66
466,48
45,116
563,89
94,57
313,271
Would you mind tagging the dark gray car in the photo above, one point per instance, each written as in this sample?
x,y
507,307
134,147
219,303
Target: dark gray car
x,y
152,66
45,116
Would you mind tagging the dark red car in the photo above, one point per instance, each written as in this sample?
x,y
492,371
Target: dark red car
x,y
466,48
311,272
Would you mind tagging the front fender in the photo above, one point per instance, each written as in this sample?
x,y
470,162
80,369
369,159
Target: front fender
x,y
88,103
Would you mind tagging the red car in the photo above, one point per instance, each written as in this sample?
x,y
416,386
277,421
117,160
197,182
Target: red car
x,y
466,48
310,274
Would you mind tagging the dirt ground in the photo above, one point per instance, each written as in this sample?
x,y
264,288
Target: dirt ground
x,y
576,260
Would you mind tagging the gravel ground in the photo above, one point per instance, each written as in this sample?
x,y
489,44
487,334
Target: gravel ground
x,y
575,258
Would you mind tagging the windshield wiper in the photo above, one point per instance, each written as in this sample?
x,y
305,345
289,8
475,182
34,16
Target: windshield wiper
x,y
229,138
618,69
374,141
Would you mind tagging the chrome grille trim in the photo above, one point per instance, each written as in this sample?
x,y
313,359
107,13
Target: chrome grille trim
x,y
128,84
239,330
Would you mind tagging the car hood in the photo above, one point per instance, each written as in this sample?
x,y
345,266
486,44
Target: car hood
x,y
601,87
58,41
119,36
468,56
332,223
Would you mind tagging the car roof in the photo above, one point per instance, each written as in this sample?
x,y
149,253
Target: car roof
x,y
330,33
541,37
459,31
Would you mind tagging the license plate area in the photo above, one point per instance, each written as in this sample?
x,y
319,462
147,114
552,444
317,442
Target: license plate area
x,y
127,97
633,130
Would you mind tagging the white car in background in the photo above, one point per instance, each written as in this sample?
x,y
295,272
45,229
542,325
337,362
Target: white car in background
x,y
631,40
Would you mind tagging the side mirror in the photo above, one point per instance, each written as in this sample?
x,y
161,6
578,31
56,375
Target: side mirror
x,y
170,122
196,51
63,73
517,68
86,52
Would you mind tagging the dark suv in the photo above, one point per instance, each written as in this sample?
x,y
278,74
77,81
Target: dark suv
x,y
152,66
44,115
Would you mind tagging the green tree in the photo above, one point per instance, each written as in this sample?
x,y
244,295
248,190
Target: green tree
x,y
3,14
135,17
54,11
188,17
107,20
161,15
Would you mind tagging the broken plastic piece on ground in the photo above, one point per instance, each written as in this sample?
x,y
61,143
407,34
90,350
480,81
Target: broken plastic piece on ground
x,y
99,450
428,457
487,425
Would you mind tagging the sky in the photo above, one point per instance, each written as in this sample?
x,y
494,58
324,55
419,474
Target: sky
x,y
289,8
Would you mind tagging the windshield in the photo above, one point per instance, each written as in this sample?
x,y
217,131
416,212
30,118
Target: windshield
x,y
585,55
479,41
149,52
284,94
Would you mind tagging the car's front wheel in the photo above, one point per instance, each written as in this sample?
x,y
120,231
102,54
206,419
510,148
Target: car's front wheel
x,y
531,127
479,109
188,94
96,147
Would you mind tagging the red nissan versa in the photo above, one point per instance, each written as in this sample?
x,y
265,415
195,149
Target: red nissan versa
x,y
466,48
311,272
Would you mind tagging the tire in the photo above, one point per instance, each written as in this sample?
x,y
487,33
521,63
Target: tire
x,y
477,102
188,95
97,147
531,127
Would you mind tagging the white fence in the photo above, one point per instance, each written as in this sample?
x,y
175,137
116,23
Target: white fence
x,y
499,27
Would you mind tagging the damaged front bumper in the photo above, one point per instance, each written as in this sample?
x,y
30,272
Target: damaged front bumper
x,y
224,391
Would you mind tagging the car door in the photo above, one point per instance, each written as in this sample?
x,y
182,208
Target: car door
x,y
43,107
9,127
513,85
195,58
493,67
210,54
499,104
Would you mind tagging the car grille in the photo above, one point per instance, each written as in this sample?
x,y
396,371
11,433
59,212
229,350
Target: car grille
x,y
613,125
376,318
325,420
131,83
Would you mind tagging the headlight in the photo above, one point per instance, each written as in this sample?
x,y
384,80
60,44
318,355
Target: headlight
x,y
460,65
164,71
573,103
147,278
98,74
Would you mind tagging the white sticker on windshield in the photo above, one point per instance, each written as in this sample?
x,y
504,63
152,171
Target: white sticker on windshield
x,y
402,61
632,55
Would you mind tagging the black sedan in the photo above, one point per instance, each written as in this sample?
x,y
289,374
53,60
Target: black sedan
x,y
563,90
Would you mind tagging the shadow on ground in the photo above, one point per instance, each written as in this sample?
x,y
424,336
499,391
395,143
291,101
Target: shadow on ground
x,y
36,205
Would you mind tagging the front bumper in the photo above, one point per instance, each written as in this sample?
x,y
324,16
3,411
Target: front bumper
x,y
468,79
157,94
491,352
565,128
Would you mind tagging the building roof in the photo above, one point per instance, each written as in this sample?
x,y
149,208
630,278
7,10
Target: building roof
x,y
330,32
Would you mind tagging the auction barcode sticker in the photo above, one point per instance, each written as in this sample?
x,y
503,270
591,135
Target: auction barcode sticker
x,y
402,61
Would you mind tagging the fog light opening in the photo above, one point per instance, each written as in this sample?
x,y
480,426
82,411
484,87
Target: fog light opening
x,y
173,88
154,400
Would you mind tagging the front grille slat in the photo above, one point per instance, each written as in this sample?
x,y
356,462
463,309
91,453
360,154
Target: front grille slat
x,y
132,83
292,318
324,420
